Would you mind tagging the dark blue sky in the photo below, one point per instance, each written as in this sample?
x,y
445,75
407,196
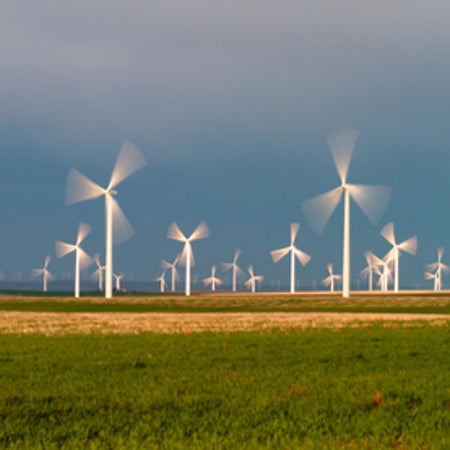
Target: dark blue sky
x,y
232,105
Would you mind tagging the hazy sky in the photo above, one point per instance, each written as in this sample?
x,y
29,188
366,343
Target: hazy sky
x,y
232,104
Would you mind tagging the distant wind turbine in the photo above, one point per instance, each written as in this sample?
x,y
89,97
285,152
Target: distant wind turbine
x,y
187,258
372,263
251,282
437,267
162,281
82,259
172,266
303,257
212,280
118,279
46,275
235,268
371,199
98,274
118,229
408,246
331,278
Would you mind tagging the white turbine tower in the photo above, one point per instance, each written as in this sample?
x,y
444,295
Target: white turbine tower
x,y
118,279
408,246
187,258
212,280
117,227
82,259
172,266
46,275
331,278
98,274
371,199
162,281
235,268
303,257
251,282
438,267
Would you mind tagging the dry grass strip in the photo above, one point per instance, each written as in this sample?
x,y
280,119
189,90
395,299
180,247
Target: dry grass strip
x,y
12,322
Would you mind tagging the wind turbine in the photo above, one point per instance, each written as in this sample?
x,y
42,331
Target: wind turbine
x,y
331,278
98,274
438,267
162,281
233,265
303,257
172,266
372,263
118,279
371,199
435,277
187,258
212,280
82,259
251,282
117,227
46,275
408,246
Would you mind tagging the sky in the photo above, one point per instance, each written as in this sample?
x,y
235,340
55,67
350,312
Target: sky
x,y
232,104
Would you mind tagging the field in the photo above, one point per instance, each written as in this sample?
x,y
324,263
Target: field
x,y
290,372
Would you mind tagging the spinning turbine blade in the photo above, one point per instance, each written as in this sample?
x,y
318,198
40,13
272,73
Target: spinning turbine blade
x,y
80,187
342,145
318,210
409,246
303,257
63,248
388,233
201,232
83,230
371,199
130,160
237,253
280,253
175,233
48,258
122,229
183,256
85,259
294,231
440,253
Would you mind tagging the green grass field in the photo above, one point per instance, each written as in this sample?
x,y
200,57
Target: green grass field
x,y
371,388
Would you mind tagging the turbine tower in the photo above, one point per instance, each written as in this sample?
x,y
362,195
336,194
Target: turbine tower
x,y
331,278
117,227
303,257
187,258
212,280
236,270
162,281
82,259
172,266
371,199
408,246
251,282
46,275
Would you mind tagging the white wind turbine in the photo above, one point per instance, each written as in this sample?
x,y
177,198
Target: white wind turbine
x,y
46,275
438,267
212,280
82,259
408,246
331,278
162,281
118,279
371,199
373,262
187,258
117,227
172,266
251,282
98,274
303,257
235,268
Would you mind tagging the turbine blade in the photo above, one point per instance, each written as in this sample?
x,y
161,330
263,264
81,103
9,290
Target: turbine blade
x,y
258,278
294,230
80,188
303,257
183,257
50,276
318,210
96,259
85,259
371,199
250,271
342,145
249,282
409,246
208,281
63,248
218,281
130,160
330,268
327,281
201,232
83,230
227,266
237,253
440,253
175,233
37,272
165,264
430,276
388,233
122,229
280,253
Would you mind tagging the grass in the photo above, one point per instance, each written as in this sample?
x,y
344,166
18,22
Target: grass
x,y
353,388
